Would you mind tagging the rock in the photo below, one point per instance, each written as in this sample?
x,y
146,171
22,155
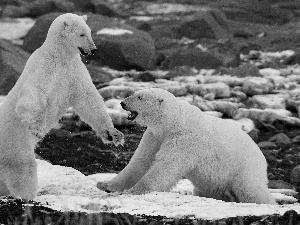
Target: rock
x,y
181,71
257,86
296,140
116,92
214,113
273,101
243,70
267,145
37,8
281,139
209,96
192,57
295,175
229,109
220,90
247,124
120,46
12,62
241,96
15,28
98,75
203,104
231,81
280,184
255,12
267,116
269,72
205,23
177,90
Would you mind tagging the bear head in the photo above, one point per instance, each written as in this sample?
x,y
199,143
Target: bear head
x,y
71,32
149,106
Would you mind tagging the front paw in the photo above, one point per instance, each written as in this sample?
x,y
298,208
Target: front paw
x,y
113,136
107,187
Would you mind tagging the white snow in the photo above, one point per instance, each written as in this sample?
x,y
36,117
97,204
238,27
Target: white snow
x,y
67,189
12,29
113,31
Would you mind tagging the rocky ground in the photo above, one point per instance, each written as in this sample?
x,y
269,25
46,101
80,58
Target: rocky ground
x,y
229,58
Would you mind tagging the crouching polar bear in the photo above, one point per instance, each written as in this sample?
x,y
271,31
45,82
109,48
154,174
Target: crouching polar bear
x,y
54,78
220,160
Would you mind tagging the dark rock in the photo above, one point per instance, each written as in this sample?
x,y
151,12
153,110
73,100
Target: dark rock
x,y
255,11
98,75
180,71
243,70
134,49
279,184
192,57
281,139
295,175
12,63
144,77
206,23
267,145
99,7
38,8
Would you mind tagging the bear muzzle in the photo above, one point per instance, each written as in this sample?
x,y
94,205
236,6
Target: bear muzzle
x,y
132,115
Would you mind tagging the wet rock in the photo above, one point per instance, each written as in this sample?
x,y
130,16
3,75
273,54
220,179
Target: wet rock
x,y
116,92
205,23
267,145
229,109
273,101
269,72
12,63
281,139
220,90
192,57
243,70
257,86
295,175
38,8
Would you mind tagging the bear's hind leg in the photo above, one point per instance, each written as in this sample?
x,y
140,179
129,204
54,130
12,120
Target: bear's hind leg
x,y
252,190
21,180
4,190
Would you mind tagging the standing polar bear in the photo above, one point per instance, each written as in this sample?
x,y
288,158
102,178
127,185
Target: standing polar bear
x,y
220,160
54,78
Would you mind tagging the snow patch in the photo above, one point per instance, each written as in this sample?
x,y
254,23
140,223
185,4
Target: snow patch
x,y
114,31
65,189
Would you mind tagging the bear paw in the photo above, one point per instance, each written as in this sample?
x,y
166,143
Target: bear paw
x,y
139,189
107,187
112,136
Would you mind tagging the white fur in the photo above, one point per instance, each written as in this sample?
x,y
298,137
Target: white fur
x,y
53,79
219,158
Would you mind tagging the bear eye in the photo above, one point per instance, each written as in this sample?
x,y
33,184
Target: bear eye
x,y
81,35
140,97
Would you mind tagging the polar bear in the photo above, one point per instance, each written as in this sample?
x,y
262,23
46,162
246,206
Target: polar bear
x,y
220,159
54,78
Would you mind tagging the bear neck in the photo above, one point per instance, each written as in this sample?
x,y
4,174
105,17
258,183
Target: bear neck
x,y
60,47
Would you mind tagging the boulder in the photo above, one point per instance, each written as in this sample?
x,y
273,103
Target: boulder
x,y
12,63
273,101
257,86
221,90
205,23
116,92
281,139
120,46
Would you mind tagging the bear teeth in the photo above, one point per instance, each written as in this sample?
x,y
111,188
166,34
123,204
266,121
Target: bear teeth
x,y
132,115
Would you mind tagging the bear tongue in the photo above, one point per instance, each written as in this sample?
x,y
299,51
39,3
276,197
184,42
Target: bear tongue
x,y
132,115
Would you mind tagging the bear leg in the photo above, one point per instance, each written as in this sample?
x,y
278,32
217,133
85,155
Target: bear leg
x,y
21,179
249,189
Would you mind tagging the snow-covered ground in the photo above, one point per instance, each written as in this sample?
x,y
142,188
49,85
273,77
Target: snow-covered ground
x,y
65,188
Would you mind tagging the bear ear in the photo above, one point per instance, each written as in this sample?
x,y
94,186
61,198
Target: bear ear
x,y
84,17
65,24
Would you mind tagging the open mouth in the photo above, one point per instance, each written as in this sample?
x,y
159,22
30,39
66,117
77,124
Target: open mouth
x,y
132,115
82,52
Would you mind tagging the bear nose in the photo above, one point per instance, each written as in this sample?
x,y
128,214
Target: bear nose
x,y
123,105
93,51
